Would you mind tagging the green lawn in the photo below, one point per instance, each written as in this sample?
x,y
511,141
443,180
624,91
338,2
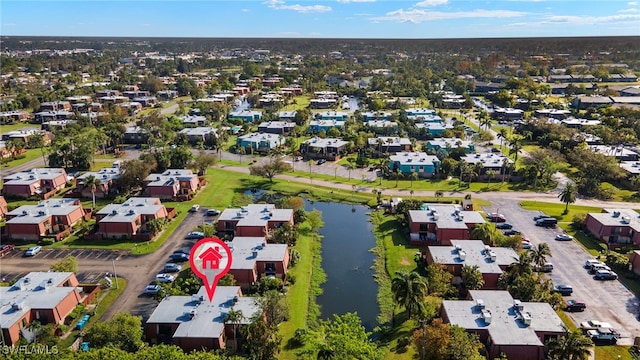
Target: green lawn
x,y
556,209
19,126
30,154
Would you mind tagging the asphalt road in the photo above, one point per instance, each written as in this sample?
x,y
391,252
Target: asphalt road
x,y
607,301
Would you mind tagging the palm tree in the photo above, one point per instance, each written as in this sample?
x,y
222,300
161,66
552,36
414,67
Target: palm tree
x,y
502,135
572,346
471,277
439,194
381,166
92,182
515,145
521,265
568,195
234,317
397,173
490,174
539,254
463,167
351,164
485,232
410,291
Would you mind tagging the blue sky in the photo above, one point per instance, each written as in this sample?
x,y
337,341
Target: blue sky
x,y
321,19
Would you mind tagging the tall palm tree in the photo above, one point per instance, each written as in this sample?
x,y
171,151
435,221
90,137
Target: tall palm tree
x,y
502,135
410,291
439,194
413,176
490,174
92,183
572,346
515,145
568,195
351,164
539,254
234,317
485,232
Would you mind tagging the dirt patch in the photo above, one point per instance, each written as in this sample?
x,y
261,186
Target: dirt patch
x,y
404,262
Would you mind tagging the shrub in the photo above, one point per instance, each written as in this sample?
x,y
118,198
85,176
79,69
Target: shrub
x,y
291,279
299,337
578,221
47,241
617,261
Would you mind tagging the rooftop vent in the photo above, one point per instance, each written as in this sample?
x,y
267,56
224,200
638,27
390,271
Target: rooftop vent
x,y
462,255
197,298
486,316
492,256
526,318
517,304
626,219
616,214
480,303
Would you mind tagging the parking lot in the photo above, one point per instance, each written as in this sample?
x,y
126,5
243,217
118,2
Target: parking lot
x,y
88,277
607,301
51,254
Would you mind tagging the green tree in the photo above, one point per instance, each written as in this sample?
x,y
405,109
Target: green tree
x,y
568,195
123,331
270,169
202,162
410,290
572,346
314,218
540,253
261,342
472,277
68,264
440,341
439,280
346,338
92,183
234,317
515,145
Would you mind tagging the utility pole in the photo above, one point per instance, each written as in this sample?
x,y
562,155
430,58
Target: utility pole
x,y
115,275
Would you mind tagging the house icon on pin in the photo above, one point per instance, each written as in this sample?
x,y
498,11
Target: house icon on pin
x,y
211,258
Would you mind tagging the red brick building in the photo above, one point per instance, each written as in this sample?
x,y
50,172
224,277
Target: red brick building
x,y
253,220
50,218
106,176
173,184
47,297
254,258
615,227
438,224
505,325
129,218
41,182
194,323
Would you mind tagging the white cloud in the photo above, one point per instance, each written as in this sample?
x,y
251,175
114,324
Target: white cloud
x,y
245,10
632,3
631,10
573,20
429,3
280,5
355,1
417,16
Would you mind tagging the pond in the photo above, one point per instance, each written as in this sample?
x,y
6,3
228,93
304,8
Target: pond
x,y
347,261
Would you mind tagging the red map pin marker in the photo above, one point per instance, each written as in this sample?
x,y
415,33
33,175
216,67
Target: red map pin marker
x,y
210,260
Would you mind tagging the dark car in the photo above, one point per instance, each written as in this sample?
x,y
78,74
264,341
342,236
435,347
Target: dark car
x,y
541,216
574,305
564,290
179,257
503,226
212,212
495,217
321,161
605,275
511,232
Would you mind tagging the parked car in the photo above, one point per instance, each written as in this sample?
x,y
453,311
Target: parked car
x,y
526,245
574,305
171,267
165,278
179,257
590,262
504,226
212,212
6,248
495,217
598,267
546,267
547,222
195,235
33,251
564,237
563,289
194,208
152,289
594,324
603,335
511,232
605,275
540,217
321,161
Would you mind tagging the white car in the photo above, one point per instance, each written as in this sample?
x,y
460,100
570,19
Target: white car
x,y
526,245
194,208
165,278
589,263
33,251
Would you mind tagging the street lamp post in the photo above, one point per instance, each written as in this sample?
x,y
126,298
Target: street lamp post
x,y
115,275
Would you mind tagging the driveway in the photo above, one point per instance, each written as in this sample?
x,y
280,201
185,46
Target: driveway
x,y
94,264
607,301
